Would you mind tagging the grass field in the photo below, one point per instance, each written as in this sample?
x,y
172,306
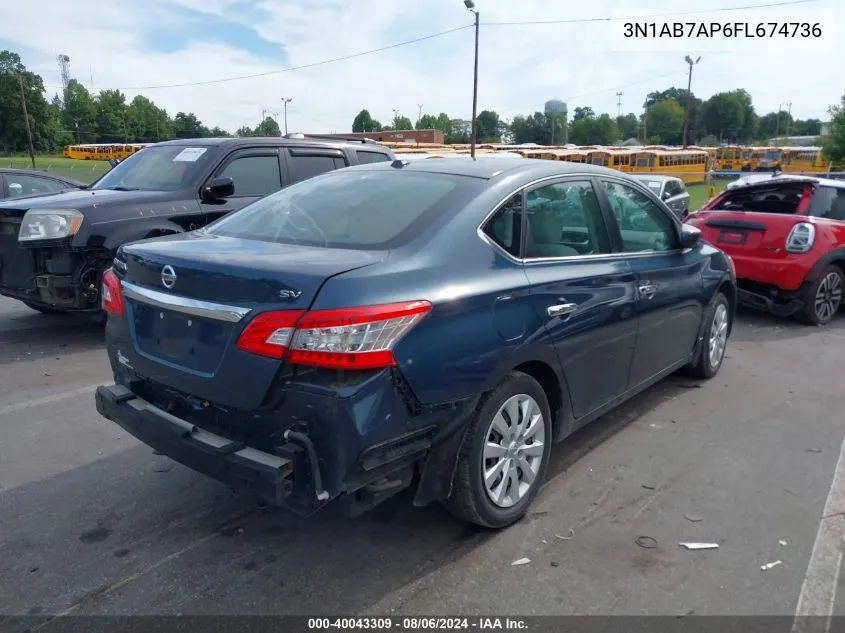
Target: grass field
x,y
90,170
83,170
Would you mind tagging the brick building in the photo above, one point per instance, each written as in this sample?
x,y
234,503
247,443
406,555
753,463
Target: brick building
x,y
398,136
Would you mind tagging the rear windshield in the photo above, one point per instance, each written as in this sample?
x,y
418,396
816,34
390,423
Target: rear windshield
x,y
781,198
351,209
654,185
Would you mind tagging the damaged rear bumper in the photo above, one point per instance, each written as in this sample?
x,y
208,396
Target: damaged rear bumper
x,y
268,476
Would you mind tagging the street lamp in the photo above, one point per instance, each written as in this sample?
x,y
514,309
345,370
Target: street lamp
x,y
691,63
470,5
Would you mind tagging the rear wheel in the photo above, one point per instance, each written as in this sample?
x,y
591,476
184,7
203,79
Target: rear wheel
x,y
823,298
504,455
715,339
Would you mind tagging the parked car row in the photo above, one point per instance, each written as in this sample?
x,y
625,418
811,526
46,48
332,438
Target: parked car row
x,y
315,320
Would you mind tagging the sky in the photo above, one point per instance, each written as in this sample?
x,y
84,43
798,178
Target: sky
x,y
135,46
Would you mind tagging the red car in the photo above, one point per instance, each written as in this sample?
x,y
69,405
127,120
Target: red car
x,y
786,236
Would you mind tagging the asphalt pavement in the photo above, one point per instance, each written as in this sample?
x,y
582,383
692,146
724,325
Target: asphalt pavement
x,y
92,522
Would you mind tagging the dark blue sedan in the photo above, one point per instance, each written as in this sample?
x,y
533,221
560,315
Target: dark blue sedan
x,y
436,324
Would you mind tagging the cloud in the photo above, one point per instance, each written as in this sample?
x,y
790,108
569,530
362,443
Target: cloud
x,y
161,42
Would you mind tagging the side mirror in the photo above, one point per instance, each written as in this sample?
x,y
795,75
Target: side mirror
x,y
690,236
219,188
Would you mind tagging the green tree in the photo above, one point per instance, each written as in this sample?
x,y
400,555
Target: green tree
x,y
146,122
12,124
730,116
583,112
187,125
363,122
807,127
535,128
444,124
774,124
244,132
426,122
679,95
628,125
833,148
79,115
268,127
111,117
218,132
594,131
460,131
666,121
488,127
402,123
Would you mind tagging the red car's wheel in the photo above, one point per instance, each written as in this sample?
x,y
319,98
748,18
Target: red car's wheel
x,y
824,297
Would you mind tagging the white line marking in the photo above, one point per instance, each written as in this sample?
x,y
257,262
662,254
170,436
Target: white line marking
x,y
48,399
818,593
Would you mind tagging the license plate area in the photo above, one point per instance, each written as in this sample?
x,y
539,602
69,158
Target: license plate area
x,y
734,238
178,338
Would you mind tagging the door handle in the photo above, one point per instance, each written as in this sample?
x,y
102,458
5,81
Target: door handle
x,y
648,290
561,309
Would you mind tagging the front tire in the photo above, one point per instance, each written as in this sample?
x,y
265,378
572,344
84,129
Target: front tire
x,y
823,298
715,339
504,455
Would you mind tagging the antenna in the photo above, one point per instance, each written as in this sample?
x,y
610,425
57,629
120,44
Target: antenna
x,y
64,68
619,103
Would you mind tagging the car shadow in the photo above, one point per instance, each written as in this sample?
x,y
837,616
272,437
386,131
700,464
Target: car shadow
x,y
754,325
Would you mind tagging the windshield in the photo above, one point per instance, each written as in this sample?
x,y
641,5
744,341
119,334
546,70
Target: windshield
x,y
350,209
162,168
654,185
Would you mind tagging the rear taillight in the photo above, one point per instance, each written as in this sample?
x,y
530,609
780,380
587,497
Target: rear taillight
x,y
112,297
801,238
347,338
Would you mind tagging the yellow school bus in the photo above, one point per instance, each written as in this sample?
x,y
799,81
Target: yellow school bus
x,y
803,160
732,157
102,151
690,165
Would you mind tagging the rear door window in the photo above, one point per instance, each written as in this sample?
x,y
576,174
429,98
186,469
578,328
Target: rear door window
x,y
352,209
305,166
365,157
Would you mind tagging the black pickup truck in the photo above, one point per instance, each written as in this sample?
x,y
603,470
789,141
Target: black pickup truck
x,y
54,249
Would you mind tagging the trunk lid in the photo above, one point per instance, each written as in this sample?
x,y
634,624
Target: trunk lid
x,y
183,326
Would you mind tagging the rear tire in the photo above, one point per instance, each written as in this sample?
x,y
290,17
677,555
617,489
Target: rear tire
x,y
509,439
715,342
823,298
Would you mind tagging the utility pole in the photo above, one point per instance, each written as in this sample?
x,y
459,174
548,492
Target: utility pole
x,y
285,102
26,121
619,103
645,123
470,5
419,112
395,118
691,63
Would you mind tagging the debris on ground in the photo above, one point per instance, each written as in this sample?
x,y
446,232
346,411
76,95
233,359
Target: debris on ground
x,y
783,543
647,487
569,537
646,542
768,566
521,561
700,545
162,468
695,518
554,563
813,450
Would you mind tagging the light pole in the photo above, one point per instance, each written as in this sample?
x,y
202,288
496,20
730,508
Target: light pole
x,y
285,102
777,121
691,63
470,5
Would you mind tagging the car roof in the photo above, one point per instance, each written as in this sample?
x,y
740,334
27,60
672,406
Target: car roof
x,y
488,169
272,140
762,181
